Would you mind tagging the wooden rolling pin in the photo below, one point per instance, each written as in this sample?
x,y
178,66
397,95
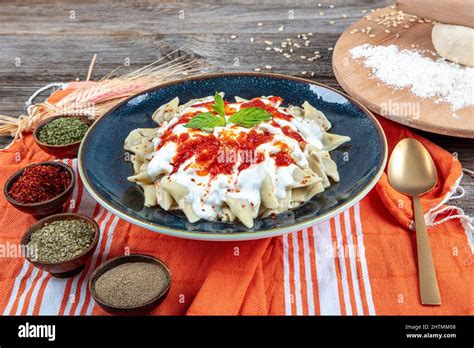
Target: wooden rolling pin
x,y
457,12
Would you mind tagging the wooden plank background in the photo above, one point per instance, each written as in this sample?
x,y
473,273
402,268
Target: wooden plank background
x,y
53,41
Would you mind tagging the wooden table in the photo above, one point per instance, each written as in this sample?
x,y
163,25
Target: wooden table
x,y
52,41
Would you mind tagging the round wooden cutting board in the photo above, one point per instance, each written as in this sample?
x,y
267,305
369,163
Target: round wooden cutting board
x,y
399,105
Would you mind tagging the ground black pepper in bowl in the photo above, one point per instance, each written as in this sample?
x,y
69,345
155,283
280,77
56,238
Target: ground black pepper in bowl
x,y
131,284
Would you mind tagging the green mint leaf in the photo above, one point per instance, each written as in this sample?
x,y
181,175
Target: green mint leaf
x,y
249,117
218,105
206,121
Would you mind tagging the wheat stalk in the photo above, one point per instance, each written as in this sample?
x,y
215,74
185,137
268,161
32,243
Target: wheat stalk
x,y
97,98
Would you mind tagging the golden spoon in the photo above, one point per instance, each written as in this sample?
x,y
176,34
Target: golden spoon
x,y
411,171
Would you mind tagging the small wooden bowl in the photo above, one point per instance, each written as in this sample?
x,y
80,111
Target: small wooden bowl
x,y
60,151
67,268
44,208
132,310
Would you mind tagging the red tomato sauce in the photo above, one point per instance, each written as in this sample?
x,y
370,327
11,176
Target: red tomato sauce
x,y
215,156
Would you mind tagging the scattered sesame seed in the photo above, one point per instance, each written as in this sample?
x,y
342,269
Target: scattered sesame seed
x,y
259,24
321,13
312,73
252,39
233,37
364,11
268,42
387,31
332,22
257,69
303,57
304,72
281,28
397,35
330,48
344,16
268,48
319,5
268,67
331,6
372,35
406,26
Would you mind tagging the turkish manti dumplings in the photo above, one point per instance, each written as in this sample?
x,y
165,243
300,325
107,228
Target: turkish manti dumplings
x,y
232,172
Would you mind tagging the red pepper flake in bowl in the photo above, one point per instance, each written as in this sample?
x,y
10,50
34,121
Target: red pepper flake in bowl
x,y
39,183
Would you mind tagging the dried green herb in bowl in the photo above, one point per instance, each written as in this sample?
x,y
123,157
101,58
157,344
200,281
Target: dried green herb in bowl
x,y
61,240
63,131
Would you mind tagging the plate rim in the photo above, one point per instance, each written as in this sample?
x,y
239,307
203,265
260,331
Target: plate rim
x,y
243,235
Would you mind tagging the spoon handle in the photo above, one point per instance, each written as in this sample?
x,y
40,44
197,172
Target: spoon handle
x,y
429,290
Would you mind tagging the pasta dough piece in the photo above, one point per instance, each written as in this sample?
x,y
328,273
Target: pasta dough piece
x,y
136,163
295,111
242,210
311,113
150,195
303,177
454,42
166,111
227,215
304,194
330,166
189,103
189,212
164,199
241,100
332,141
316,165
141,176
136,137
177,191
267,193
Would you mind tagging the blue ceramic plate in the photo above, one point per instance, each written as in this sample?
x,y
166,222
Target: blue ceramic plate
x,y
104,171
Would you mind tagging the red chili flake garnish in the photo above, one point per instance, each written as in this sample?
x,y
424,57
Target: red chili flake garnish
x,y
214,155
168,134
39,183
219,155
271,108
282,159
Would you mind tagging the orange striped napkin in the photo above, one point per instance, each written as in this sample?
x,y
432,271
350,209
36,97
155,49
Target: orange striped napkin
x,y
361,262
